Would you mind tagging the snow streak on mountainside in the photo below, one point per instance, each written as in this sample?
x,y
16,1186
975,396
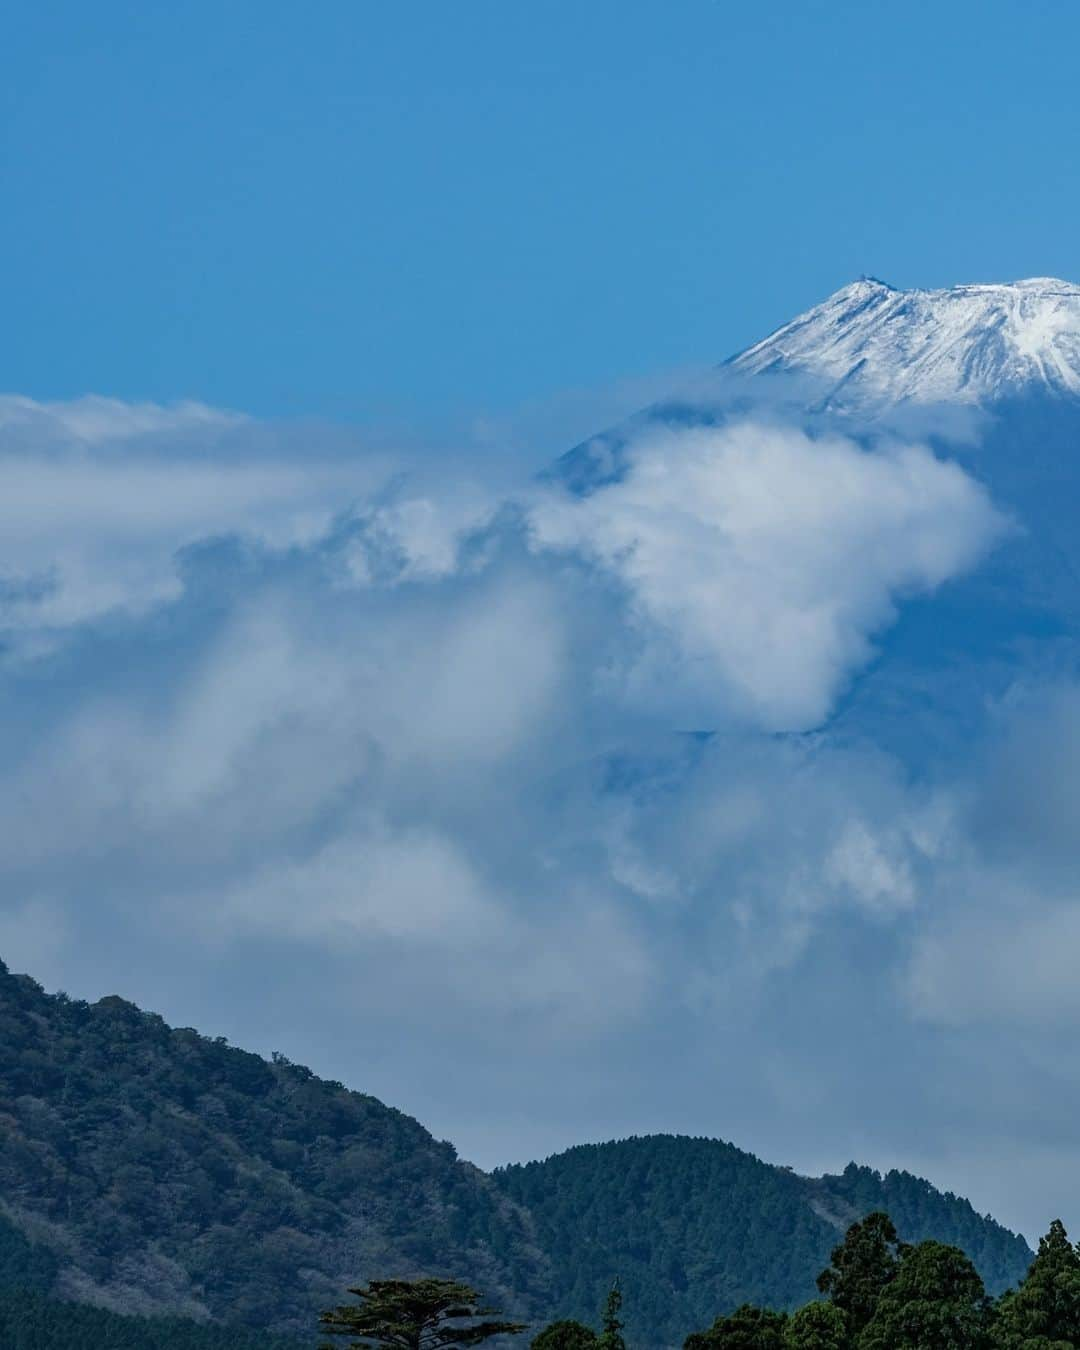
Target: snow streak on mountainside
x,y
969,344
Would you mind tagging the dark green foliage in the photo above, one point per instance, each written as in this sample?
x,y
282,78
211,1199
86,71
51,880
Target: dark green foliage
x,y
221,1184
697,1227
935,1302
860,1268
1045,1311
31,1321
816,1326
926,1296
919,1212
24,1264
747,1328
611,1337
416,1315
565,1335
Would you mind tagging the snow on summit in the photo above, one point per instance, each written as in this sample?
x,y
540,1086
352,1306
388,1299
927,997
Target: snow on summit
x,y
970,344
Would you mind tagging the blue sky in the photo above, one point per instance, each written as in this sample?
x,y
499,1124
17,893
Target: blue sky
x,y
699,801
367,210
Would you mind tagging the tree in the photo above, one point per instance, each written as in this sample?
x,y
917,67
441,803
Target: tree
x,y
565,1335
936,1302
416,1315
611,1338
747,1328
1045,1310
816,1326
861,1267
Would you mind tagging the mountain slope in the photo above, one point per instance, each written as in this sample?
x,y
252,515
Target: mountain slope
x,y
695,1226
32,1320
968,344
150,1170
172,1173
988,377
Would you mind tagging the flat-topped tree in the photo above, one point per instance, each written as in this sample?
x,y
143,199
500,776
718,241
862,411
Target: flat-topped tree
x,y
416,1315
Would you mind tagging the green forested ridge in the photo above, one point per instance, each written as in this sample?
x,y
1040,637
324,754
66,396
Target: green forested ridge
x,y
160,1171
174,1173
696,1226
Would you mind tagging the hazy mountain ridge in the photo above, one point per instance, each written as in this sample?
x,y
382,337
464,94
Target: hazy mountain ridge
x,y
158,1171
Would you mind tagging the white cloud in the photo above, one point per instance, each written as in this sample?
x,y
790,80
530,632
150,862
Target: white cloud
x,y
371,883
97,498
762,561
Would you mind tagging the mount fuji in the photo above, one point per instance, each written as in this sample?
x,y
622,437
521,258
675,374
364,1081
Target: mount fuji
x,y
874,345
947,364
987,377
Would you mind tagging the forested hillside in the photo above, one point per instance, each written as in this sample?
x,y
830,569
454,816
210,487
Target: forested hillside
x,y
149,1170
32,1320
172,1173
695,1225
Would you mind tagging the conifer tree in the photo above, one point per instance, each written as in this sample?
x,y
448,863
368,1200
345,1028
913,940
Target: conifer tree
x,y
565,1335
861,1267
611,1337
747,1328
936,1302
1045,1310
816,1326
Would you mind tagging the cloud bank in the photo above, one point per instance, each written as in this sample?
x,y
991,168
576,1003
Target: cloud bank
x,y
334,750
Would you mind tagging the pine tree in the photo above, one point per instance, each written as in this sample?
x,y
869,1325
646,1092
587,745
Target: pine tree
x,y
747,1328
862,1266
565,1335
611,1337
936,1302
1045,1310
816,1326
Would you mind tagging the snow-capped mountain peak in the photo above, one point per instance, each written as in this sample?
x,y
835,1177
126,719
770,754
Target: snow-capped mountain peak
x,y
874,344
